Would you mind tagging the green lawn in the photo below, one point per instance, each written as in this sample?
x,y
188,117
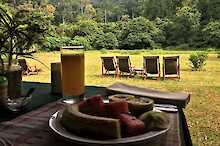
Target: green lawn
x,y
203,111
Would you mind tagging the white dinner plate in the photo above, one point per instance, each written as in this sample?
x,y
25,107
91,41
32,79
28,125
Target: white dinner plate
x,y
152,138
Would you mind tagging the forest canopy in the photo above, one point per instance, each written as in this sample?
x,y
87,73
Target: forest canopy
x,y
123,24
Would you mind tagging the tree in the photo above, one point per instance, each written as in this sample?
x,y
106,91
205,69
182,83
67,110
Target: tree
x,y
20,30
159,8
211,34
106,7
140,33
130,7
66,11
209,10
89,12
214,9
184,28
105,41
202,6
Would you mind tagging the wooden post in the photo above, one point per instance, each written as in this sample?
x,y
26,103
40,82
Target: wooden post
x,y
56,82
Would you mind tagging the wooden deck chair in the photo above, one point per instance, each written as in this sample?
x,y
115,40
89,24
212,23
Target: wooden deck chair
x,y
171,67
151,66
26,69
108,65
124,66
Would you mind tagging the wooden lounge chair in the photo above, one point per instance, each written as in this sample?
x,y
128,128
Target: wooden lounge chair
x,y
26,69
108,65
124,66
151,65
171,67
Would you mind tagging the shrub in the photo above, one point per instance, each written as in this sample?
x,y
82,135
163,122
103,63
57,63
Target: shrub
x,y
111,41
106,41
69,29
108,27
211,34
198,59
140,33
55,43
81,41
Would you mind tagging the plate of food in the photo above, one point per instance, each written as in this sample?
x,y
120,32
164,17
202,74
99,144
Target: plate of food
x,y
93,122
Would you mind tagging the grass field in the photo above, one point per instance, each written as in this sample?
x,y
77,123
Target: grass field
x,y
203,111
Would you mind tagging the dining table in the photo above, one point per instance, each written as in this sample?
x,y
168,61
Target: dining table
x,y
30,127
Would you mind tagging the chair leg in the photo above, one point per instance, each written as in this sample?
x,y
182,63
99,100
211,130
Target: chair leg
x,y
145,77
158,78
118,74
102,71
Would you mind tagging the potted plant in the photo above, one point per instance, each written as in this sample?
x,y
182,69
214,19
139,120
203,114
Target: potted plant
x,y
19,31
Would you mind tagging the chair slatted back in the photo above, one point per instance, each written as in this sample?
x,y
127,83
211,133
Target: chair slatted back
x,y
151,64
171,66
124,63
109,63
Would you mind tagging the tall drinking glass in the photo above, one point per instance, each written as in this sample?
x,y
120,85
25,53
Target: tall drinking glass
x,y
72,72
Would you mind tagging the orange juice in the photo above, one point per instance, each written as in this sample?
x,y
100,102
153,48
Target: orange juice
x,y
73,74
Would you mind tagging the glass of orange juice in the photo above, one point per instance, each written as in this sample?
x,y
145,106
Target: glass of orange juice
x,y
72,73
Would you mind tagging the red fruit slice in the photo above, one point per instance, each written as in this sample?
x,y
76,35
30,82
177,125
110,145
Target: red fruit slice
x,y
114,109
130,125
93,106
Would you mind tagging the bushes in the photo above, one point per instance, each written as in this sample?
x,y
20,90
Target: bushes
x,y
198,59
184,28
107,41
211,34
183,31
140,33
81,41
55,43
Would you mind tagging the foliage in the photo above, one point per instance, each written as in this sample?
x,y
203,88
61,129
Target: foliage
x,y
140,33
184,28
213,9
55,43
108,27
68,29
106,41
66,11
21,29
87,28
159,8
82,41
182,23
211,34
198,59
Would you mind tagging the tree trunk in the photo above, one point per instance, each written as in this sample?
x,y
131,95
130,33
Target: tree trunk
x,y
105,16
56,83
